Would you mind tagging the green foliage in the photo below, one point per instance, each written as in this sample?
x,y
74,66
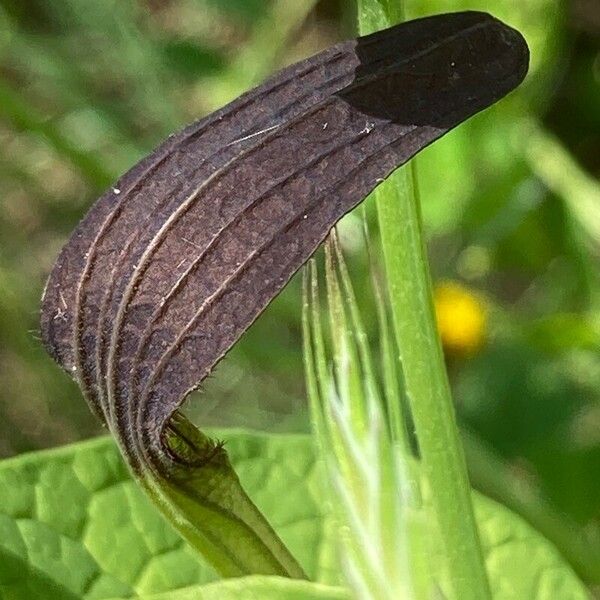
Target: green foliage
x,y
251,588
74,525
88,88
74,518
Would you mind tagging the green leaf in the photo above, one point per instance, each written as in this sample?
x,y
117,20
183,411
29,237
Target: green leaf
x,y
254,588
74,525
520,562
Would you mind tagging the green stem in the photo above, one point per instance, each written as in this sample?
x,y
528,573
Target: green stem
x,y
422,360
427,384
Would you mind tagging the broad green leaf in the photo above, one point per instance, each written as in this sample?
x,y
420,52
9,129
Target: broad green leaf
x,y
255,587
74,525
520,562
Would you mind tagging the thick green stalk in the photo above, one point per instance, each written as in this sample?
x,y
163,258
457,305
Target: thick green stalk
x,y
427,385
422,360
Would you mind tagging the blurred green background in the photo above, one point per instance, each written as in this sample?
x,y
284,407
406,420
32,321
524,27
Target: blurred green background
x,y
511,204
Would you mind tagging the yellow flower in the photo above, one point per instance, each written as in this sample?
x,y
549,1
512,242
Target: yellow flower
x,y
461,318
